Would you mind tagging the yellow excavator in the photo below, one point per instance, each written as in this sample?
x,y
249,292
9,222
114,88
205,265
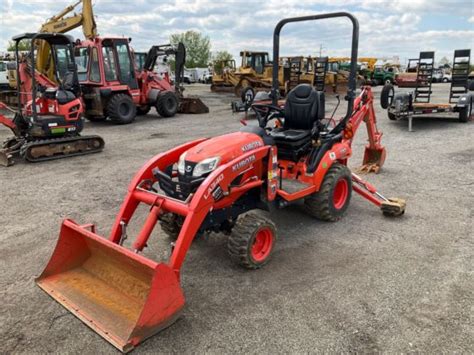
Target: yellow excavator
x,y
61,23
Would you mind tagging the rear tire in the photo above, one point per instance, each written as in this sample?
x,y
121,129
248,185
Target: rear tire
x,y
121,109
252,240
333,198
167,104
143,110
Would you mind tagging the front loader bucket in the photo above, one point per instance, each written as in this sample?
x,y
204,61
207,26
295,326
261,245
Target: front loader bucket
x,y
121,295
374,158
192,105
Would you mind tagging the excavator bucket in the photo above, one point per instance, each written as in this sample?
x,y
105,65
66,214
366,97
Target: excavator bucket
x,y
192,105
374,159
6,158
121,295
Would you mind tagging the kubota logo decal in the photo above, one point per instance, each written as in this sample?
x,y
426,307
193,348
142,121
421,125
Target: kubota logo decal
x,y
251,146
243,163
213,185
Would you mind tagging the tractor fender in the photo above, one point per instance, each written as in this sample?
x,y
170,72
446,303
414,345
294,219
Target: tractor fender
x,y
153,96
339,152
464,101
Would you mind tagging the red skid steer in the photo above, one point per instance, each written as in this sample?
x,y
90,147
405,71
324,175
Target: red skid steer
x,y
224,184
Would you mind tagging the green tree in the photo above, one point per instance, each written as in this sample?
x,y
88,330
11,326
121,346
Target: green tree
x,y
219,59
22,46
198,48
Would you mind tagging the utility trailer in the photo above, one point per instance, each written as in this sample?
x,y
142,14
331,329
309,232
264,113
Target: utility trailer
x,y
410,104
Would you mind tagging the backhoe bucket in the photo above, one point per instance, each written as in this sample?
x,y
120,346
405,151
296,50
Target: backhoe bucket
x,y
192,105
121,295
374,158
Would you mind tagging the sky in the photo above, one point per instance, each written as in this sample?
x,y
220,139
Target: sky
x,y
388,28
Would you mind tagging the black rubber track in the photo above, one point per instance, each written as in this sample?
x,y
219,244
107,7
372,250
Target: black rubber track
x,y
24,152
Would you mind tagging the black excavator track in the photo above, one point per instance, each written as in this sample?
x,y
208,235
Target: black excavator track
x,y
58,148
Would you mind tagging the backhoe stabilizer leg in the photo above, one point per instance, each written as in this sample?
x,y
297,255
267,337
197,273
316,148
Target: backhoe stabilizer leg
x,y
391,207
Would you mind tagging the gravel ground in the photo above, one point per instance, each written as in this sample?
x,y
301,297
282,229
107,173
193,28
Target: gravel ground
x,y
363,284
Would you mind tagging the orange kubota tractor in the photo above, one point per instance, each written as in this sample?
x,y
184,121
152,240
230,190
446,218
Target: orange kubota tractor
x,y
221,184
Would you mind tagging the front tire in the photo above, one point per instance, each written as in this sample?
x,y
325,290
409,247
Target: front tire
x,y
167,104
252,240
332,199
121,109
169,225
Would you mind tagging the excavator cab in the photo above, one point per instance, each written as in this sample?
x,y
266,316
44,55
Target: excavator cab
x,y
57,103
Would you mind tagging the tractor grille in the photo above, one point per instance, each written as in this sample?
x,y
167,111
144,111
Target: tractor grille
x,y
176,188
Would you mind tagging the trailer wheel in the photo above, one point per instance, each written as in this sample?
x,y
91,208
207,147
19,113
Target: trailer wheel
x,y
121,109
247,95
332,199
252,240
167,104
143,110
386,96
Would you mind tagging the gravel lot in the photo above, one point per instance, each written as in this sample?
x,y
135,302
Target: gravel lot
x,y
363,284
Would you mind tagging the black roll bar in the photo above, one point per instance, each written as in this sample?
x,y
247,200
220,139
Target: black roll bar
x,y
353,69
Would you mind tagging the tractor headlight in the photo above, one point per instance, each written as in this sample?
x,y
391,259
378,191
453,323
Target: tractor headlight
x,y
206,166
182,163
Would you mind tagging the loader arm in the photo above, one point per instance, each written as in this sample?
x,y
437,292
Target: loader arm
x,y
95,278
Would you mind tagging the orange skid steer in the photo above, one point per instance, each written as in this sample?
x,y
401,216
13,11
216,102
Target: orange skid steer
x,y
223,184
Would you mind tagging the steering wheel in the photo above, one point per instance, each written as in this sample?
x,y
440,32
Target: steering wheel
x,y
266,112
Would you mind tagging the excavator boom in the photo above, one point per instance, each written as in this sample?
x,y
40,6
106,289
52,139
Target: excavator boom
x,y
61,24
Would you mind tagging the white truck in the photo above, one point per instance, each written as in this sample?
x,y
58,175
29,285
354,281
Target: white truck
x,y
3,76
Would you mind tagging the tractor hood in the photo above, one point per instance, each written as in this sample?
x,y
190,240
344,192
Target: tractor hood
x,y
227,147
206,156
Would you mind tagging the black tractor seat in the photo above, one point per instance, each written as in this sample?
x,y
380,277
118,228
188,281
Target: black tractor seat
x,y
304,107
290,135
